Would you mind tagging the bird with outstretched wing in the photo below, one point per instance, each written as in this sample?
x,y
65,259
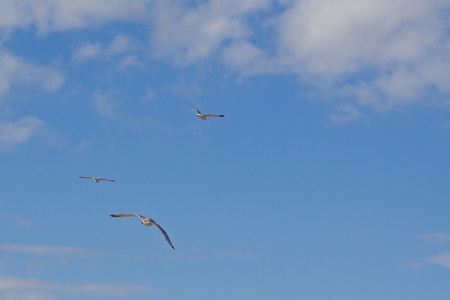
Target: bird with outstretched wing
x,y
147,222
204,116
97,179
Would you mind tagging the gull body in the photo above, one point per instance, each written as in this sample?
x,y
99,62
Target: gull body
x,y
97,179
204,116
147,222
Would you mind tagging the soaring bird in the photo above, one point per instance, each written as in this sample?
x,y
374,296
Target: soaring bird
x,y
202,116
97,179
147,222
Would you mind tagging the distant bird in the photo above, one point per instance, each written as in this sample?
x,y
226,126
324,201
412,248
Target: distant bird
x,y
97,179
147,222
202,116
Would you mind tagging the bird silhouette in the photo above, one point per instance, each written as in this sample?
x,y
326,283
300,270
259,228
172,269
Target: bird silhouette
x,y
97,179
204,116
147,222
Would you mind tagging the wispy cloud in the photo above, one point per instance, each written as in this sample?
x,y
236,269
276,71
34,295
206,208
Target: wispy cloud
x,y
58,15
186,35
13,288
248,58
442,259
122,48
346,113
121,44
17,132
87,51
383,55
436,238
129,61
84,145
12,133
399,54
48,250
107,103
17,71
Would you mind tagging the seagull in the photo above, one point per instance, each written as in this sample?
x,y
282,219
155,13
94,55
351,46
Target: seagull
x,y
202,116
147,222
97,179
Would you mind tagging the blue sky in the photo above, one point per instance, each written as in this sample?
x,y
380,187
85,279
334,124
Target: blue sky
x,y
328,177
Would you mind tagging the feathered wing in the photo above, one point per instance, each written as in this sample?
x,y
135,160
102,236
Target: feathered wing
x,y
163,232
193,107
127,215
209,115
84,177
152,221
106,179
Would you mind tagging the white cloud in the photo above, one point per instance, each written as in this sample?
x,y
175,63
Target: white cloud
x,y
12,133
337,37
19,132
84,145
51,15
107,103
16,71
128,62
442,259
13,288
188,35
48,250
381,55
120,47
87,51
247,57
346,113
149,95
392,51
436,238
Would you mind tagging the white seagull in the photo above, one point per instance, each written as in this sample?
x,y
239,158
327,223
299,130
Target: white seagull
x,y
202,116
97,179
147,222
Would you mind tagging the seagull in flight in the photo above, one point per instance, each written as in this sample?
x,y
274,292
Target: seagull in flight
x,y
204,116
97,179
147,222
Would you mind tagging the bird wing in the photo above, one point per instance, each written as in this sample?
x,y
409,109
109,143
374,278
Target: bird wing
x,y
193,107
106,179
163,232
209,115
86,177
127,215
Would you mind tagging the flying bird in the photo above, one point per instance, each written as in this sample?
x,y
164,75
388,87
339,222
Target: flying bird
x,y
203,116
147,222
97,179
